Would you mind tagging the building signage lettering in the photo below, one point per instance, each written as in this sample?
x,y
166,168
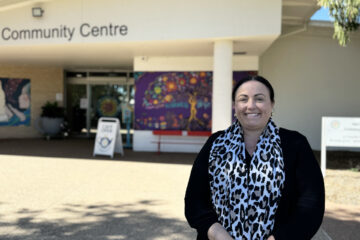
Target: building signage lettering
x,y
85,30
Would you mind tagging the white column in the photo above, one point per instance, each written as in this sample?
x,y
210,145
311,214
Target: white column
x,y
222,85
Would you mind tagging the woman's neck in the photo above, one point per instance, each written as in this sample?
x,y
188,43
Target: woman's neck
x,y
253,134
251,138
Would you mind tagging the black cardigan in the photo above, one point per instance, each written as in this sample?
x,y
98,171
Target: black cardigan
x,y
302,204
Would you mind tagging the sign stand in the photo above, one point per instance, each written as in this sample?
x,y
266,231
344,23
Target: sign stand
x,y
323,147
338,132
108,138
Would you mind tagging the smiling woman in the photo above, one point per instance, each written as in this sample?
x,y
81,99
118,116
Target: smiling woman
x,y
253,105
255,180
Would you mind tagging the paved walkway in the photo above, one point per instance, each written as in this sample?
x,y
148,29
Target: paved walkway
x,y
342,222
57,190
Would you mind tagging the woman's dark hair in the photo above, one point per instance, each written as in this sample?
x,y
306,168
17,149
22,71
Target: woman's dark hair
x,y
254,78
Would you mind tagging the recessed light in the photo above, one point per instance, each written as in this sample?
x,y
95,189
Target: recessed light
x,y
240,53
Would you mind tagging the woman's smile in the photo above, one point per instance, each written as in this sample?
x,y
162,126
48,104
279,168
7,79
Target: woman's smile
x,y
252,115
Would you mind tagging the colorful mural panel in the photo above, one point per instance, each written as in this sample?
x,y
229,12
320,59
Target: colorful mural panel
x,y
15,104
175,100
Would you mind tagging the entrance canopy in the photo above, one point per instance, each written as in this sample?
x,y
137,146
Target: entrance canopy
x,y
118,55
109,34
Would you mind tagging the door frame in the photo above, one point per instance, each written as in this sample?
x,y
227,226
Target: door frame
x,y
85,77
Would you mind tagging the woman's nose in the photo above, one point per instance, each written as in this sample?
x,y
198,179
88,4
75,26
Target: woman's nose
x,y
251,104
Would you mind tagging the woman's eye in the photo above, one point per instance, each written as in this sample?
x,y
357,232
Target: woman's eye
x,y
260,99
242,100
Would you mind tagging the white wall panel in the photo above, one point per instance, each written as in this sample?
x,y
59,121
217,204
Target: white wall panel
x,y
144,63
146,141
312,77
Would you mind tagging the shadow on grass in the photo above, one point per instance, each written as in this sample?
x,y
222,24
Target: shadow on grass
x,y
100,222
83,149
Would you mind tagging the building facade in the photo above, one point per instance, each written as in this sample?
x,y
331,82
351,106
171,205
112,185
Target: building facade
x,y
171,64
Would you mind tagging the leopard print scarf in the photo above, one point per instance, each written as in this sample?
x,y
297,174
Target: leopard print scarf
x,y
246,200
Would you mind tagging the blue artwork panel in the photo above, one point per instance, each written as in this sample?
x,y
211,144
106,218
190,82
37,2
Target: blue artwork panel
x,y
15,104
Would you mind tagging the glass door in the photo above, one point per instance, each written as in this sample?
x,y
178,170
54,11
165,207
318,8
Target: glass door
x,y
91,95
76,108
106,101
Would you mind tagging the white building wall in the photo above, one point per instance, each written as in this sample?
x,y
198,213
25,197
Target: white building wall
x,y
312,77
149,20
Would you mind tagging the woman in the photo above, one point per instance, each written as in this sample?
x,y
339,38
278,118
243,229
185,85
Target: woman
x,y
254,180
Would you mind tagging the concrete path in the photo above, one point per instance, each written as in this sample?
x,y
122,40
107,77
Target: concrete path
x,y
139,196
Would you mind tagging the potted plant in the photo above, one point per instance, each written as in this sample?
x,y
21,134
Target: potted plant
x,y
52,118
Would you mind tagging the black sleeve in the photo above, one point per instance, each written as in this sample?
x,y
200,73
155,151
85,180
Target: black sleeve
x,y
198,208
308,213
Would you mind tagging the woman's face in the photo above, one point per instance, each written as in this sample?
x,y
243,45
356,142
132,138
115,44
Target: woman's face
x,y
253,106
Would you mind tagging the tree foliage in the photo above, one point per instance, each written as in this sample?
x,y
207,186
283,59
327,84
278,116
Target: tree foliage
x,y
346,14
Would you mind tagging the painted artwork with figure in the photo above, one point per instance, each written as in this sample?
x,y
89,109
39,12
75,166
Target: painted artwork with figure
x,y
14,102
175,100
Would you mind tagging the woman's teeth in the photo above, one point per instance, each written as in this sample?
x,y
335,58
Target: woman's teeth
x,y
252,114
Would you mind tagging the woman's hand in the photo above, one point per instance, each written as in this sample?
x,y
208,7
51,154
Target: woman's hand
x,y
218,232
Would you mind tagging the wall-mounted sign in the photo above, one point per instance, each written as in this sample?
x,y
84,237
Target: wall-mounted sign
x,y
338,132
65,32
84,103
108,138
59,97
